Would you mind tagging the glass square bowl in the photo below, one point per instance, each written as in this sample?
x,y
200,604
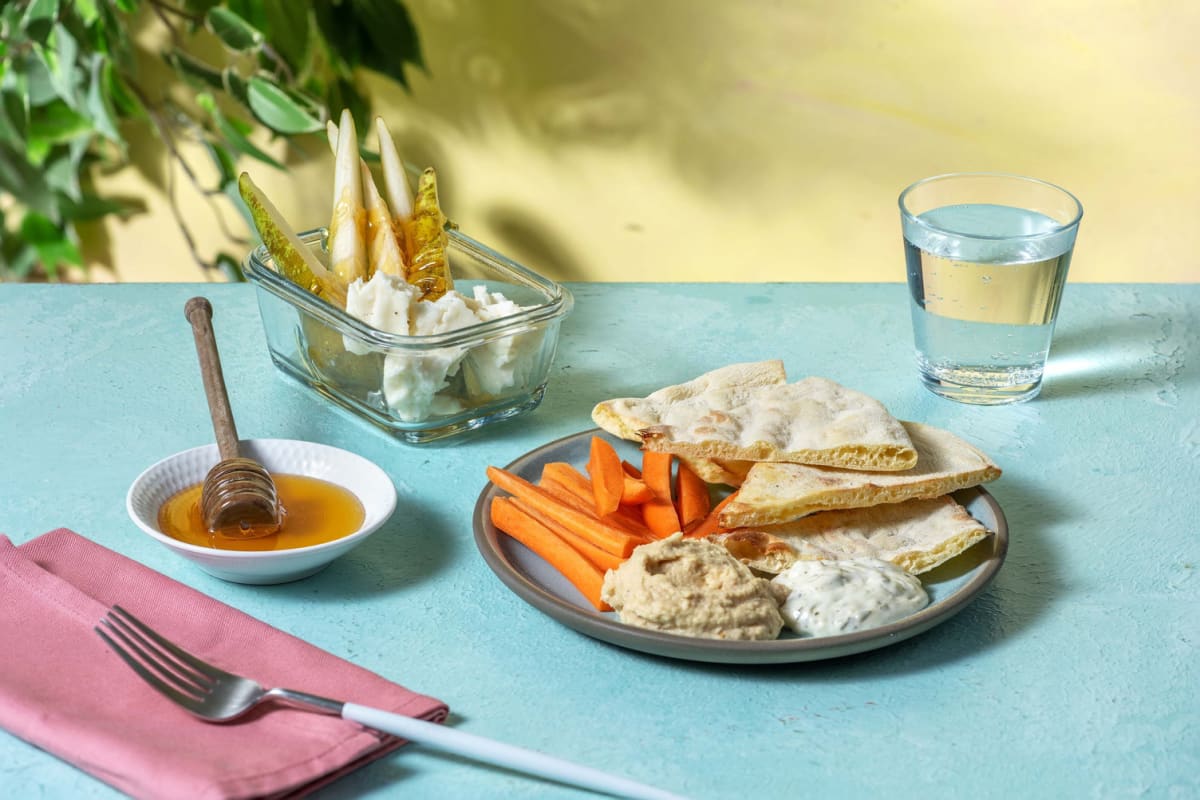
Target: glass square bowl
x,y
418,388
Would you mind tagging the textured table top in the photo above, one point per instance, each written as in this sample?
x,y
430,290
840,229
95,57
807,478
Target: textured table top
x,y
1075,674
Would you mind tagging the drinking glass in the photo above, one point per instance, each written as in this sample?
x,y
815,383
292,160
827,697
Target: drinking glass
x,y
987,257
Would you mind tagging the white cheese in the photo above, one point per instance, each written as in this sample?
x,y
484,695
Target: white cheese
x,y
412,379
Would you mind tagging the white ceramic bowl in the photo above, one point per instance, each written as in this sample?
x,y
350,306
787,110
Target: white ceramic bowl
x,y
286,456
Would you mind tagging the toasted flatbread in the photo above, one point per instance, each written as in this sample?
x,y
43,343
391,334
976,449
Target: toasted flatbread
x,y
916,535
812,421
624,417
773,493
714,470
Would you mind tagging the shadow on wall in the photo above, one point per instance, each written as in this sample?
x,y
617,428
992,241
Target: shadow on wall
x,y
760,141
674,140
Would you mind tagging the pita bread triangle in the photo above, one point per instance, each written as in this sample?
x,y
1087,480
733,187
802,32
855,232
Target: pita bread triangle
x,y
624,417
916,535
774,493
746,412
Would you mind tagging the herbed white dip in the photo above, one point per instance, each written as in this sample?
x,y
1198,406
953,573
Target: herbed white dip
x,y
826,598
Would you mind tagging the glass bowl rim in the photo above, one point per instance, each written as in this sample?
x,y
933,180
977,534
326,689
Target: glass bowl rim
x,y
559,300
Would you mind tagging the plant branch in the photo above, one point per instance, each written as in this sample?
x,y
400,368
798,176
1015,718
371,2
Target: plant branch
x,y
162,9
209,195
280,63
168,139
161,13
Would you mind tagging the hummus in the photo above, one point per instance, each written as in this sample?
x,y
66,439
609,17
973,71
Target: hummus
x,y
694,588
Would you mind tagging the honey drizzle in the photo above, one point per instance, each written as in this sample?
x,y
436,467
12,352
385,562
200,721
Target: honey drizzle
x,y
315,511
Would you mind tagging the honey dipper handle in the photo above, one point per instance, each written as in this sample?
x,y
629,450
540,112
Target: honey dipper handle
x,y
199,312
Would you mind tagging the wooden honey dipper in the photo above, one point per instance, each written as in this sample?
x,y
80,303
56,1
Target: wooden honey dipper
x,y
238,499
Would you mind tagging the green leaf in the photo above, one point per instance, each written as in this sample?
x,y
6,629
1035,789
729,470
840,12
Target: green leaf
x,y
251,11
234,137
62,175
54,247
10,17
14,97
232,30
376,34
345,94
279,112
40,84
392,35
98,104
59,59
39,19
342,36
14,119
25,182
90,207
194,71
125,103
200,7
287,28
236,85
110,35
61,171
17,257
225,163
8,132
87,10
57,122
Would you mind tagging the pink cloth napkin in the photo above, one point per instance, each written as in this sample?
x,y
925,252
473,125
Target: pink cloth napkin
x,y
64,691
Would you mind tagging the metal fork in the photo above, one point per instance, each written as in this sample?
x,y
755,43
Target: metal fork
x,y
218,696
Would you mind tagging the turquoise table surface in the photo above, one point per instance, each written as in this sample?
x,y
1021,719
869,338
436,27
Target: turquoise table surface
x,y
1075,674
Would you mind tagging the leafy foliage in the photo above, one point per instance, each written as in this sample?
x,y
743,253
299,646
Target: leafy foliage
x,y
70,89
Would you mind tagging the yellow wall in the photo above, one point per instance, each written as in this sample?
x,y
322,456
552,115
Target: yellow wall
x,y
760,140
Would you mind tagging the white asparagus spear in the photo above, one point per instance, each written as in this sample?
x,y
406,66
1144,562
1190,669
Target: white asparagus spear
x,y
347,237
382,241
396,187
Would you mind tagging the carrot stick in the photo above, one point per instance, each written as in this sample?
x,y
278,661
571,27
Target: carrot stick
x,y
656,472
631,470
635,491
691,496
608,479
583,574
710,524
570,478
600,533
578,498
601,558
659,511
564,481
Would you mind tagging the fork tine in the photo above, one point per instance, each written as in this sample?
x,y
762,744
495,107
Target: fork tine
x,y
175,673
202,667
187,701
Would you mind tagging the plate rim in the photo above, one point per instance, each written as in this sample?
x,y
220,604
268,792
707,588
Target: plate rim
x,y
612,631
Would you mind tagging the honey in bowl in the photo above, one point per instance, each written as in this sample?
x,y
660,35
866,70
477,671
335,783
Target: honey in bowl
x,y
314,512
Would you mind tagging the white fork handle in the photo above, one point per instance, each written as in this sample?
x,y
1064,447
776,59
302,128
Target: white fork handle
x,y
490,751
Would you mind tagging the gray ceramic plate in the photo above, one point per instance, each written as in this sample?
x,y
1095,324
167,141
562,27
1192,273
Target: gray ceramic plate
x,y
950,586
